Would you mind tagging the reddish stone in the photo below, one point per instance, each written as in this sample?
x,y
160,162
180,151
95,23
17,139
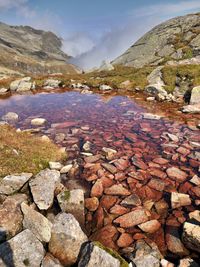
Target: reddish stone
x,y
133,218
184,188
99,217
196,191
109,167
97,189
91,203
118,190
119,210
107,236
121,164
176,174
65,124
194,163
184,151
124,240
159,238
174,243
157,184
108,201
120,176
139,163
106,182
92,159
91,178
158,173
139,236
150,226
160,161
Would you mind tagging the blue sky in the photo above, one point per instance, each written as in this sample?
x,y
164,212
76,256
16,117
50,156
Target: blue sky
x,y
93,30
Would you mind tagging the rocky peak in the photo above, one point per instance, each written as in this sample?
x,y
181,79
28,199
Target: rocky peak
x,y
175,39
29,49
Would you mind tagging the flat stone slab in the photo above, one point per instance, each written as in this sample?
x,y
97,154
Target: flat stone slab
x,y
22,250
39,225
43,187
13,183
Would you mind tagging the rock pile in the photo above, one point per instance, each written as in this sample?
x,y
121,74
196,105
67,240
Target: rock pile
x,y
36,234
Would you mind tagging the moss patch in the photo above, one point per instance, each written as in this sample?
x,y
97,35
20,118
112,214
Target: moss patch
x,y
65,195
113,253
23,152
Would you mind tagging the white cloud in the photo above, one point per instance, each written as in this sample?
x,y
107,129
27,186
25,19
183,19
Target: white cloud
x,y
168,9
138,22
8,4
77,44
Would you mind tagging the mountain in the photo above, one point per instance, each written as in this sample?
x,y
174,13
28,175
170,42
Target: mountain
x,y
175,39
25,49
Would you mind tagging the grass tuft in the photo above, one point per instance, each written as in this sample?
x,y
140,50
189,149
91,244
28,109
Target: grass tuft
x,y
23,152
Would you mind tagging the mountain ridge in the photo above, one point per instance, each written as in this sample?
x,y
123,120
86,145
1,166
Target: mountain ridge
x,y
174,39
28,49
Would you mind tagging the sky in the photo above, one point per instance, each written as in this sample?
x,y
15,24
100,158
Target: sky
x,y
94,30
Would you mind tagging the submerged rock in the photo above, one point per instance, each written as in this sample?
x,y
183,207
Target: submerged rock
x,y
43,187
10,117
22,250
38,121
66,239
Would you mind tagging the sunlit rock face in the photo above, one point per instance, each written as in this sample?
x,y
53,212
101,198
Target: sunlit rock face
x,y
31,50
176,39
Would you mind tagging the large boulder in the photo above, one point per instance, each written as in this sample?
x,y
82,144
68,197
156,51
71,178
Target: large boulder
x,y
11,216
22,250
10,117
52,83
191,236
13,183
73,202
39,225
93,255
22,85
43,187
195,96
66,239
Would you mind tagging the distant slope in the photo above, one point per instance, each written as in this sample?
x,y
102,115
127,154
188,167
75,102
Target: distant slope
x,y
26,49
178,38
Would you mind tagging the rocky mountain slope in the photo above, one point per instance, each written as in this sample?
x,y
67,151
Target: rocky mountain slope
x,y
176,39
26,49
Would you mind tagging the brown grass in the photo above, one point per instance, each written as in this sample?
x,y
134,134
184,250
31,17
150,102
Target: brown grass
x,y
23,152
